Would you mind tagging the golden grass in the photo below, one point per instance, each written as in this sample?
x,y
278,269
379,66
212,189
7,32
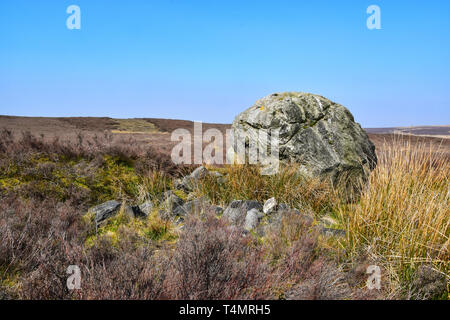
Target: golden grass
x,y
153,184
287,186
402,218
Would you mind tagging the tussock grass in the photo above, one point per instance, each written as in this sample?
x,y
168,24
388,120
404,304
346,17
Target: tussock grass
x,y
402,218
287,186
153,184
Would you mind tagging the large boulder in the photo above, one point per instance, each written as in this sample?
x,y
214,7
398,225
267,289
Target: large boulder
x,y
318,134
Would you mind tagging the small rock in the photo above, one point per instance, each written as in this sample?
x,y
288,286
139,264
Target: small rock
x,y
199,173
172,201
188,182
216,210
215,174
284,207
179,221
105,210
252,219
235,215
270,206
251,204
128,210
146,208
237,210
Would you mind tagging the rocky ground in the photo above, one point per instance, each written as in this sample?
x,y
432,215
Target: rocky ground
x,y
105,196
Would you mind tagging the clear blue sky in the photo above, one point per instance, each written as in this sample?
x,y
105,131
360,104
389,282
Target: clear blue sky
x,y
210,60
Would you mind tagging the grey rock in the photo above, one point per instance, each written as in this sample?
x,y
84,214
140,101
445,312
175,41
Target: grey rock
x,y
318,134
235,215
270,206
188,183
146,208
130,211
199,173
172,201
215,174
237,210
251,204
284,207
216,210
179,221
105,210
252,219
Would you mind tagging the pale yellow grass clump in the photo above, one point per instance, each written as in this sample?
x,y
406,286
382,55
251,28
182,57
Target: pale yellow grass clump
x,y
287,186
402,218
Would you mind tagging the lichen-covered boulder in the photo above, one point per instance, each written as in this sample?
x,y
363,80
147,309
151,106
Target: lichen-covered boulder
x,y
318,134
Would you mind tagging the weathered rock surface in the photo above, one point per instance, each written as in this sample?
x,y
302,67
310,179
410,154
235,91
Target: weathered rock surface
x,y
171,205
188,182
146,208
105,210
315,132
270,206
252,219
237,210
110,208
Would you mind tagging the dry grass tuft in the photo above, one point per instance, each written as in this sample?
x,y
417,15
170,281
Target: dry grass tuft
x,y
403,216
246,182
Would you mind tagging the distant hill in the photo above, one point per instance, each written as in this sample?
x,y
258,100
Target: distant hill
x,y
428,131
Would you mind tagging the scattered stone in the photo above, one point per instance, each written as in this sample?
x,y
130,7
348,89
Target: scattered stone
x,y
270,206
146,208
188,182
215,174
199,173
252,219
105,210
172,201
178,221
216,210
237,210
284,207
